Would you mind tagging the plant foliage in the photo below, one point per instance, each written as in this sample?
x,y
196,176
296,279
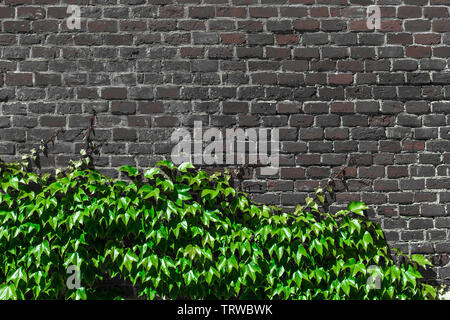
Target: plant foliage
x,y
175,232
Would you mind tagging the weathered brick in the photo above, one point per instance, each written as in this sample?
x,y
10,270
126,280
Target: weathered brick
x,y
114,93
19,79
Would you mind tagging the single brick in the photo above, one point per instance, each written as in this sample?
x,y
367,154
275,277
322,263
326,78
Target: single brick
x,y
116,93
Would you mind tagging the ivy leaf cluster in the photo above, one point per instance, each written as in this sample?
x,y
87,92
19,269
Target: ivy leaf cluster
x,y
176,232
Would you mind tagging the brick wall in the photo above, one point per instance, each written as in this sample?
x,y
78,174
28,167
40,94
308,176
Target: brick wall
x,y
376,101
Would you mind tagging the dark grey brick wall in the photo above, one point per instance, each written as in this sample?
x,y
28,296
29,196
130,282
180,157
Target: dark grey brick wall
x,y
377,101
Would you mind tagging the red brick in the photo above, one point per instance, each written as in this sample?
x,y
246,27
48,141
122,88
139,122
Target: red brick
x,y
52,121
441,52
382,121
150,107
358,25
336,134
231,12
114,93
417,25
278,53
250,25
427,38
319,12
201,12
45,26
292,173
386,185
171,11
335,12
233,38
166,121
123,107
352,66
391,25
235,107
341,78
413,146
342,107
133,25
102,26
353,12
306,25
289,108
283,39
408,12
418,52
399,38
190,52
441,25
16,26
263,12
397,171
6,12
30,13
293,12
387,12
435,12
57,12
19,79
192,25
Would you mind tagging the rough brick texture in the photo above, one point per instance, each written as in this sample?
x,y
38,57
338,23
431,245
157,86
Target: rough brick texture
x,y
377,101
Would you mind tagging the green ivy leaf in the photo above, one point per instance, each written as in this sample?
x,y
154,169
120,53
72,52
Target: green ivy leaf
x,y
190,277
357,207
367,239
150,173
166,163
80,294
421,260
7,292
184,166
130,259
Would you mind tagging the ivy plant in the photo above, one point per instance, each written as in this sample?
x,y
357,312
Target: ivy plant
x,y
177,232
